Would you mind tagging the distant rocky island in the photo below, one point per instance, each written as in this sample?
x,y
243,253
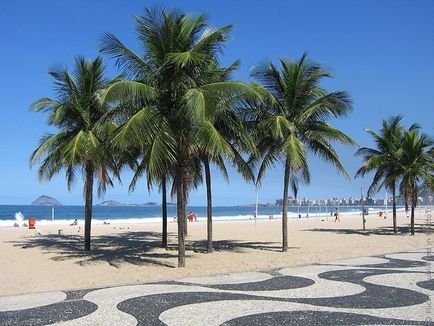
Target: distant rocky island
x,y
46,201
110,203
114,203
150,203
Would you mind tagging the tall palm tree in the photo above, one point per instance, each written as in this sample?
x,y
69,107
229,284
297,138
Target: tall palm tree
x,y
159,180
80,144
237,162
228,124
383,158
293,122
178,50
416,163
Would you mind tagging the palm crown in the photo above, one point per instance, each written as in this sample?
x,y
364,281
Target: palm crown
x,y
383,158
292,120
416,162
77,114
295,119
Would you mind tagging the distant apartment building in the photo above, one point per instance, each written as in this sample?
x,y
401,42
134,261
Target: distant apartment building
x,y
379,202
351,201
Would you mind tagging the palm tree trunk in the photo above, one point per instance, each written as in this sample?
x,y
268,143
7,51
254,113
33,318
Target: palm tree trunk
x,y
412,219
208,205
285,208
184,187
88,197
181,206
164,211
185,206
181,227
413,205
395,230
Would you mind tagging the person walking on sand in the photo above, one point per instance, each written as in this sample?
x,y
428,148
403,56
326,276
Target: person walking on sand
x,y
337,215
192,217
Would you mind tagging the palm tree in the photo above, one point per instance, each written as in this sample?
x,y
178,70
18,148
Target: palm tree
x,y
80,145
228,124
382,159
416,163
141,153
172,70
293,122
238,162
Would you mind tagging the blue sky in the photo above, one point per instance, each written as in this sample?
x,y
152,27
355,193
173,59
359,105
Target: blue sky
x,y
380,51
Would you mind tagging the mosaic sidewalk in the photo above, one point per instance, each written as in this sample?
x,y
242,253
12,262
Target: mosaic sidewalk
x,y
394,289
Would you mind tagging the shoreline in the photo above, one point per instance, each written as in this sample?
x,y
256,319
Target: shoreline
x,y
225,218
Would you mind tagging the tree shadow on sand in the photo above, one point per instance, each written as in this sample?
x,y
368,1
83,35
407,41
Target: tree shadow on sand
x,y
138,248
200,246
402,230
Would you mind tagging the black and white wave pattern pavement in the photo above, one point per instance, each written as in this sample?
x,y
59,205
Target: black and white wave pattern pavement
x,y
394,289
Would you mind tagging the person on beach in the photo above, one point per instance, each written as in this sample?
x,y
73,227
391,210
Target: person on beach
x,y
192,217
74,223
337,215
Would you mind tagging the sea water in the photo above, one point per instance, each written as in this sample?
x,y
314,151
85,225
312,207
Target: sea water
x,y
140,214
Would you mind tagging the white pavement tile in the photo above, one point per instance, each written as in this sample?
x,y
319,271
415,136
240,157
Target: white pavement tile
x,y
18,302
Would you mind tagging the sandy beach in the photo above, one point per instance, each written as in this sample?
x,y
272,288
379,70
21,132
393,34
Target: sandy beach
x,y
130,253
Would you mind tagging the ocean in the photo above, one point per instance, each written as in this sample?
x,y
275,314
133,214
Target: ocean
x,y
134,214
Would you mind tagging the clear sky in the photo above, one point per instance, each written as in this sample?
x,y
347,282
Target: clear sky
x,y
382,53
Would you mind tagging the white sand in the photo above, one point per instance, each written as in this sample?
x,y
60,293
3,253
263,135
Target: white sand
x,y
124,254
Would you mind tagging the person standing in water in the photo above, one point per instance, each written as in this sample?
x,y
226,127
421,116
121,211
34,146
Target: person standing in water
x,y
337,215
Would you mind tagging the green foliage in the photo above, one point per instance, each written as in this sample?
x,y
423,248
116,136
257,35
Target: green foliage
x,y
415,163
82,134
382,159
290,120
176,104
178,96
401,157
